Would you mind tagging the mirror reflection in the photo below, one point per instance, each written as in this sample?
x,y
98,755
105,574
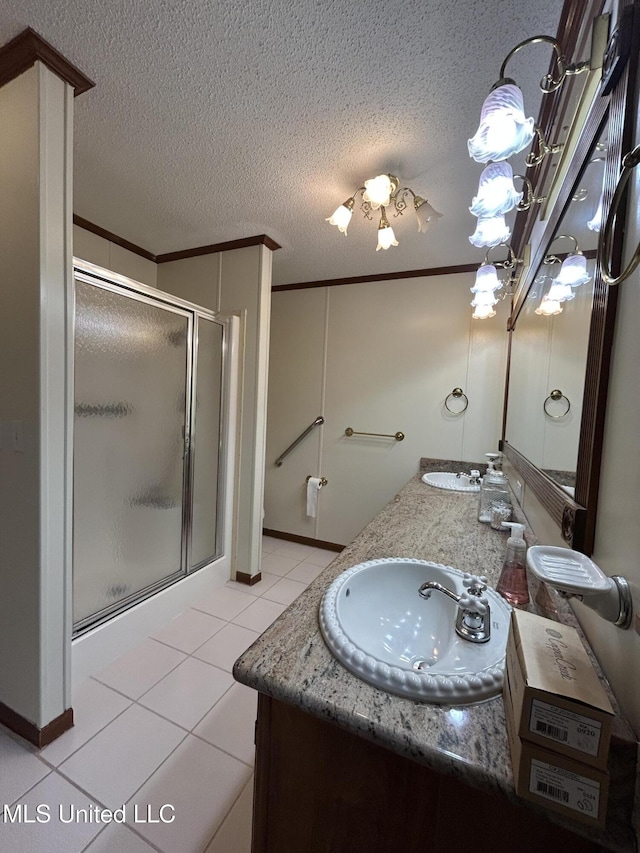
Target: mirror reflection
x,y
551,335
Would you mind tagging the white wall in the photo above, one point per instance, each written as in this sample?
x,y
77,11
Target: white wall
x,y
90,247
377,357
35,259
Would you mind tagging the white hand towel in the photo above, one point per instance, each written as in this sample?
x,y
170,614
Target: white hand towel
x,y
314,484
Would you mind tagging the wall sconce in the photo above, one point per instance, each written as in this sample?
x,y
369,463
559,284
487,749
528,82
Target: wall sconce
x,y
504,130
573,271
497,194
379,193
490,231
487,284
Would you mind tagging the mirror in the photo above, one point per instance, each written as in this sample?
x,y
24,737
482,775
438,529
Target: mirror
x,y
549,350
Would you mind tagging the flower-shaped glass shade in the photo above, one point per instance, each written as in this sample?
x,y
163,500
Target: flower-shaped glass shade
x,y
486,279
573,271
548,307
490,231
496,192
425,214
485,297
559,292
483,312
386,237
378,191
595,224
503,130
341,217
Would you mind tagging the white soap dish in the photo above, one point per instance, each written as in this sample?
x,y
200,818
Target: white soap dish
x,y
574,574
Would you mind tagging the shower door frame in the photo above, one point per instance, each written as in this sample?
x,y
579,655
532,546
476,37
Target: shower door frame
x,y
108,280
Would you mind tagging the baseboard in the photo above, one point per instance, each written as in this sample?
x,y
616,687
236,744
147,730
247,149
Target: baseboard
x,y
245,577
303,540
29,731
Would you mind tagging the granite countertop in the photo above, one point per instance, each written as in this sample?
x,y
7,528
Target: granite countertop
x,y
291,662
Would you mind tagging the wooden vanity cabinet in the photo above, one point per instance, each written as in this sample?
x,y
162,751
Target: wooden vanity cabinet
x,y
321,789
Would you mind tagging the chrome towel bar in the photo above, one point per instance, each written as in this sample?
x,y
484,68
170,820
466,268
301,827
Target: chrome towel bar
x,y
319,420
399,436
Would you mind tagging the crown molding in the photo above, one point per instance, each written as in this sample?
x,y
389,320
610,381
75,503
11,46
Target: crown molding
x,y
26,49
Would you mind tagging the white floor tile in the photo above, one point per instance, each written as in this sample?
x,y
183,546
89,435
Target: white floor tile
x,y
285,591
113,765
226,646
202,784
305,572
118,839
189,630
321,557
138,670
20,769
259,615
278,564
186,694
94,707
56,797
270,543
266,580
225,603
296,550
234,836
230,724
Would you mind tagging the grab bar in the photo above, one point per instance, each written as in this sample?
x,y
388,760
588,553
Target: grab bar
x,y
319,420
399,436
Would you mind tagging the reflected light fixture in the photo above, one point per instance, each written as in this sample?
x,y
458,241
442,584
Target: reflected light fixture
x,y
380,193
595,223
573,271
503,129
548,307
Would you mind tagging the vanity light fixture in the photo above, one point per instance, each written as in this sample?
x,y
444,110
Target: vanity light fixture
x,y
380,193
487,284
490,231
497,196
573,271
548,307
504,130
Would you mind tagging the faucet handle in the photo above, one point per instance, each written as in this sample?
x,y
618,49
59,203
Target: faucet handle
x,y
476,584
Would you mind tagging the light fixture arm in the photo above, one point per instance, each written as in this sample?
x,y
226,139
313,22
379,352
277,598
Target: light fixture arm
x,y
550,82
543,149
509,264
528,198
554,259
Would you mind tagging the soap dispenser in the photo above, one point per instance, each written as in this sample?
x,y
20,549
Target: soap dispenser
x,y
495,487
512,585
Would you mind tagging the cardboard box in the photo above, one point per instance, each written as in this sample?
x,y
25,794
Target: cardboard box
x,y
556,695
556,782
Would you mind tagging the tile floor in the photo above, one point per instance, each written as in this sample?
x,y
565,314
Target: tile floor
x,y
164,731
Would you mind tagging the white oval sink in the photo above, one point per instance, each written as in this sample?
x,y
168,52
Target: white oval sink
x,y
446,480
379,627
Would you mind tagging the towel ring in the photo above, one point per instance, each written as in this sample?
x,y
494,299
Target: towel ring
x,y
556,395
629,162
457,393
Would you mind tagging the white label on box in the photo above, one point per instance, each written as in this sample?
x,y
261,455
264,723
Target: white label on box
x,y
562,726
565,788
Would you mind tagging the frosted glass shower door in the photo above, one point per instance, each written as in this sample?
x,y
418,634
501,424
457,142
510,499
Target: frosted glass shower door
x,y
205,448
132,378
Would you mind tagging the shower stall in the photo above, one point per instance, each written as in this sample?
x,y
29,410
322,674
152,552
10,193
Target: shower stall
x,y
150,420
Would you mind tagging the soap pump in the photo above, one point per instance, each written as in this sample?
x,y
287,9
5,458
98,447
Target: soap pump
x,y
512,585
495,487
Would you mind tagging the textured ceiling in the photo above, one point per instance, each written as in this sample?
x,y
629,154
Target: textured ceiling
x,y
213,121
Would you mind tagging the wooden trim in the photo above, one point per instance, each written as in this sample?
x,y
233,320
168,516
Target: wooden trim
x,y
28,47
29,731
388,276
258,240
565,512
303,540
246,578
113,238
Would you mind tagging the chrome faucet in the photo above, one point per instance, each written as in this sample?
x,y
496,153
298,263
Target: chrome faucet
x,y
473,621
474,477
